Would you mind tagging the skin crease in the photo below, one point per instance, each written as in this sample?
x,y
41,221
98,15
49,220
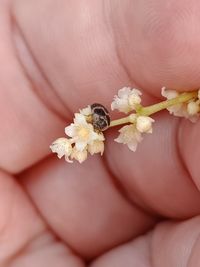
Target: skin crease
x,y
135,209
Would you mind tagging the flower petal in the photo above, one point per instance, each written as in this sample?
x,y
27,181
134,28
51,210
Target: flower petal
x,y
129,135
135,91
96,136
144,124
169,93
61,146
96,147
121,105
132,146
86,111
124,92
80,146
80,119
80,156
193,108
70,130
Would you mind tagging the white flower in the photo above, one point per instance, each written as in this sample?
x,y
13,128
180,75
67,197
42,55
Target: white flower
x,y
193,108
82,132
62,146
86,111
186,110
80,156
126,100
169,93
96,147
178,109
132,134
144,124
83,138
129,135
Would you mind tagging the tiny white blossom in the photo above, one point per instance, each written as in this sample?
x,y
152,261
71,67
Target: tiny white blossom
x,y
80,156
96,147
129,135
86,111
82,132
144,124
83,138
62,146
178,109
126,100
182,109
193,108
169,93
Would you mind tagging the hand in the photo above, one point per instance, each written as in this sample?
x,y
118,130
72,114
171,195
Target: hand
x,y
119,210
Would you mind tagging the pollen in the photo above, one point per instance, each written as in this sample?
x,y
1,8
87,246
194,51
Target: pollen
x,y
83,133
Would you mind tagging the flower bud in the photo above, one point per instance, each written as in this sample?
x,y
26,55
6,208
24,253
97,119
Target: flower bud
x,y
62,146
144,124
80,156
193,108
96,147
134,100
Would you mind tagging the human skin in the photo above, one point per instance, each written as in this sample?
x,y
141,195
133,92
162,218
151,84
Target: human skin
x,y
123,209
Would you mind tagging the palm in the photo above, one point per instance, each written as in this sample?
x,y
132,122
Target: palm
x,y
66,56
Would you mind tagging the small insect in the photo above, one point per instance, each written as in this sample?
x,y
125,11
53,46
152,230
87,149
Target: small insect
x,y
100,117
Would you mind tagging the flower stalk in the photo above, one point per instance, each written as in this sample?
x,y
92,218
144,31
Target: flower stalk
x,y
85,135
149,110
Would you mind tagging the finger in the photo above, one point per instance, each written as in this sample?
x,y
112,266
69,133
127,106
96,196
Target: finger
x,y
188,143
24,117
158,42
25,240
170,244
17,217
153,44
84,206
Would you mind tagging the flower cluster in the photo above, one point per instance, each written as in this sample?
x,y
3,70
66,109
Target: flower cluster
x,y
126,101
188,110
82,139
85,135
132,134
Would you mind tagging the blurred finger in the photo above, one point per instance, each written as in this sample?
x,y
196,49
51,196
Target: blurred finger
x,y
84,205
159,248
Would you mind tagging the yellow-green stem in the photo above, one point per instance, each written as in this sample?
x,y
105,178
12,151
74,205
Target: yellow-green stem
x,y
119,121
147,111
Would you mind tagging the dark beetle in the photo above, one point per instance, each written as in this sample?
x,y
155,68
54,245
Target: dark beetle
x,y
100,117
